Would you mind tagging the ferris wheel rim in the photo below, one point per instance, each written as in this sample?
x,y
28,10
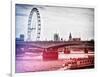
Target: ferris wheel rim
x,y
38,24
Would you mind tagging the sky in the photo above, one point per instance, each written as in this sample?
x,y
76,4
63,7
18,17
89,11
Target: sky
x,y
62,20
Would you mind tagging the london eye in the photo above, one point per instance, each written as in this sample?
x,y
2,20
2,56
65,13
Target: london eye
x,y
34,25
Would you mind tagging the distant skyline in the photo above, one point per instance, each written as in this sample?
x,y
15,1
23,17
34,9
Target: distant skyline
x,y
61,20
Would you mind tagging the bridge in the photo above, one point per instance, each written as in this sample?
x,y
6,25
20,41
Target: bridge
x,y
54,45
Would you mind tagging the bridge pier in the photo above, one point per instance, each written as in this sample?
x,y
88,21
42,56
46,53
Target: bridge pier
x,y
66,50
50,54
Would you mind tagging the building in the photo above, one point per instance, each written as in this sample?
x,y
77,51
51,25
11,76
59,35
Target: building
x,y
21,38
73,39
76,39
56,37
70,37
